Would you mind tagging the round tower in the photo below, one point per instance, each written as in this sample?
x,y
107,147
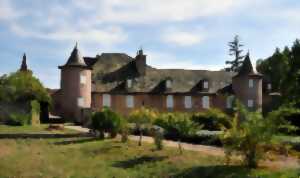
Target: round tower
x,y
247,85
75,87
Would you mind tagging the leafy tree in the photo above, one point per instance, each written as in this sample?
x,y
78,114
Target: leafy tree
x,y
142,118
294,73
248,132
276,69
236,51
22,87
106,121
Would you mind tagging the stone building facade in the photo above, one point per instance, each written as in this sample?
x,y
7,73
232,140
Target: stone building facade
x,y
124,83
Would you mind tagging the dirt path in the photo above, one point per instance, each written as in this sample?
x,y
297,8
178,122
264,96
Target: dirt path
x,y
210,150
282,162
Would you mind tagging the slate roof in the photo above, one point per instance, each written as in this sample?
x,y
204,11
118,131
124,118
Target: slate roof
x,y
24,64
247,68
111,70
75,59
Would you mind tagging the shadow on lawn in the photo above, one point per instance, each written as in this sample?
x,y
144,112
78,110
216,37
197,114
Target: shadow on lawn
x,y
76,141
41,135
138,161
220,171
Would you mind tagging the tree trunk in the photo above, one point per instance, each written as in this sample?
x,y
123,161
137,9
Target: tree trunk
x,y
141,136
180,147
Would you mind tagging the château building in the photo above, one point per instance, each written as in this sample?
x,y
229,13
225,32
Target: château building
x,y
124,83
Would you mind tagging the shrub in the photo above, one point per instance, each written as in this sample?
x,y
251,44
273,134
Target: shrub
x,y
287,118
106,121
158,138
248,132
142,117
19,119
178,125
212,119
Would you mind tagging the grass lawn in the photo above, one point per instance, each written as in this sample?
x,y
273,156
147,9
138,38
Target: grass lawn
x,y
86,157
31,129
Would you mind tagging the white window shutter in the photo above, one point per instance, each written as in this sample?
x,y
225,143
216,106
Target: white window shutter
x,y
205,85
80,102
250,103
170,103
251,83
188,102
205,102
129,83
130,101
106,101
229,101
82,79
169,84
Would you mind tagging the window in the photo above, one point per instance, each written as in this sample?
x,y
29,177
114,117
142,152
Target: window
x,y
80,102
129,83
251,83
250,103
205,84
106,100
169,84
269,86
188,102
129,101
170,103
229,101
205,102
82,79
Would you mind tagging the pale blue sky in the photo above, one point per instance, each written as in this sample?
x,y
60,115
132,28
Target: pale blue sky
x,y
191,34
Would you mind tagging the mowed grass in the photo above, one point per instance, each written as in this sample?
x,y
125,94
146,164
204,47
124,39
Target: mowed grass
x,y
87,157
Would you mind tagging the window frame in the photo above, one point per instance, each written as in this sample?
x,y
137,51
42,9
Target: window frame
x,y
250,103
80,101
205,102
83,79
170,101
251,83
188,103
129,101
106,100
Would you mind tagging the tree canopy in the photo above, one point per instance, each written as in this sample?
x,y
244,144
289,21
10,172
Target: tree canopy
x,y
236,51
283,71
22,87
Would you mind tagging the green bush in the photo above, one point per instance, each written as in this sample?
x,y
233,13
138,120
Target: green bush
x,y
158,138
248,132
212,119
19,119
106,121
177,125
287,118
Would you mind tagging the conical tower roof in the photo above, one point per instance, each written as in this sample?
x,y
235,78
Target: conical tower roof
x,y
247,68
75,59
24,64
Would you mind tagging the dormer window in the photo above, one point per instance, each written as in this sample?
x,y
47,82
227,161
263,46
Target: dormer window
x,y
168,84
129,83
205,84
269,86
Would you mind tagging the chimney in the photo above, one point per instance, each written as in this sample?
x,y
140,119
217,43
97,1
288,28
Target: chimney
x,y
140,63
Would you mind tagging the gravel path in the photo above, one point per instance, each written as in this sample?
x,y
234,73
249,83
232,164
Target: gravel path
x,y
210,150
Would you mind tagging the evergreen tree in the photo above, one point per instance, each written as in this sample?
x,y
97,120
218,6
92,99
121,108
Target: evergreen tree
x,y
236,51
